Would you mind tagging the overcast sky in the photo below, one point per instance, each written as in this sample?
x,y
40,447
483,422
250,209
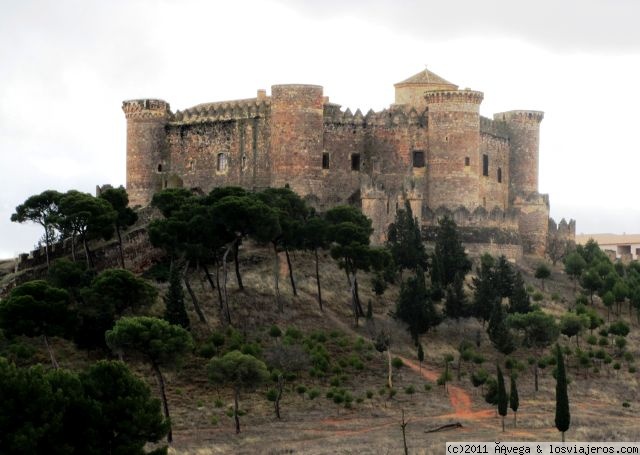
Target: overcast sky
x,y
66,66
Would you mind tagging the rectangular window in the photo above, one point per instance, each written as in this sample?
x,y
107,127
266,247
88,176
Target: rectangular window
x,y
325,160
467,161
355,162
499,175
485,165
418,158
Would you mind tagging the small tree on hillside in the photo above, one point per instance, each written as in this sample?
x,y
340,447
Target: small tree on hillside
x,y
158,342
485,295
574,264
36,308
238,370
404,241
175,312
415,307
449,254
542,273
315,237
563,414
42,209
455,304
514,401
119,200
498,331
502,397
520,301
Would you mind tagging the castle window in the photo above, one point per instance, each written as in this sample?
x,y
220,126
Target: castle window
x,y
355,161
222,163
467,161
159,167
485,165
325,160
418,158
244,162
499,175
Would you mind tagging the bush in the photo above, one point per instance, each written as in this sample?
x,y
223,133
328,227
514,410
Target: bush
x,y
275,331
369,394
313,394
392,393
592,340
218,403
214,420
294,333
397,362
272,394
359,400
409,390
555,297
427,387
301,389
530,289
632,369
537,296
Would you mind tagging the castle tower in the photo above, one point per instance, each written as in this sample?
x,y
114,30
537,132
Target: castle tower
x,y
296,136
411,91
523,128
454,162
147,156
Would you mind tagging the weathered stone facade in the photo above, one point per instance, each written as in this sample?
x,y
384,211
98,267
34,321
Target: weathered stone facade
x,y
431,147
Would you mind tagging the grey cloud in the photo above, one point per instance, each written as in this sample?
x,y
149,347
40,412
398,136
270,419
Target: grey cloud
x,y
606,26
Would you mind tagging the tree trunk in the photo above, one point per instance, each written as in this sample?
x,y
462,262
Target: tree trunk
x,y
276,277
87,252
320,289
225,276
502,423
390,376
236,392
279,395
208,276
73,247
357,296
219,289
354,306
236,246
404,436
46,244
459,366
293,283
120,247
535,375
515,419
196,305
163,395
54,362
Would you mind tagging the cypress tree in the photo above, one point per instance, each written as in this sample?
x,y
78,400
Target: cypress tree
x,y
174,312
502,397
420,355
499,332
519,302
514,402
563,416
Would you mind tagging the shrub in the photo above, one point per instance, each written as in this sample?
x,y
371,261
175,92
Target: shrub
x,y
272,394
313,394
214,420
218,403
625,404
537,296
392,393
427,387
397,362
359,400
369,394
555,297
301,389
409,390
275,331
592,340
294,333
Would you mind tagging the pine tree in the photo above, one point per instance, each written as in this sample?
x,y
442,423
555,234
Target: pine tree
x,y
502,397
514,401
175,312
519,302
415,306
563,415
499,332
404,240
485,295
455,305
449,258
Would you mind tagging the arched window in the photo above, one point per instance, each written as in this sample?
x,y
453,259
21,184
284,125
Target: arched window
x,y
222,163
160,167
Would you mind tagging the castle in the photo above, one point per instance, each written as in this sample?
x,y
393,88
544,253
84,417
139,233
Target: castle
x,y
431,147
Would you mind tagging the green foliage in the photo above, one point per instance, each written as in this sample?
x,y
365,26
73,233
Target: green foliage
x,y
404,241
275,332
619,328
238,370
449,258
313,394
59,412
485,294
498,330
537,296
572,324
563,415
502,394
415,306
455,305
519,301
155,339
539,329
410,390
542,273
479,377
514,401
175,312
574,264
397,362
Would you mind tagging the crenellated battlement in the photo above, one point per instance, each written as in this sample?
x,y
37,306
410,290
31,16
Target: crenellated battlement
x,y
146,108
564,229
520,116
396,116
225,110
454,96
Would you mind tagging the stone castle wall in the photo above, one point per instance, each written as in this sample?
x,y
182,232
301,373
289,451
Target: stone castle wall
x,y
431,147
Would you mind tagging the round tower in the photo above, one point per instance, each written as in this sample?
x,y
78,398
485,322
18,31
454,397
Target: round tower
x,y
523,128
454,161
296,136
147,154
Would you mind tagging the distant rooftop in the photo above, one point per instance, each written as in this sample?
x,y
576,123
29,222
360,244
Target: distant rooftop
x,y
429,80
